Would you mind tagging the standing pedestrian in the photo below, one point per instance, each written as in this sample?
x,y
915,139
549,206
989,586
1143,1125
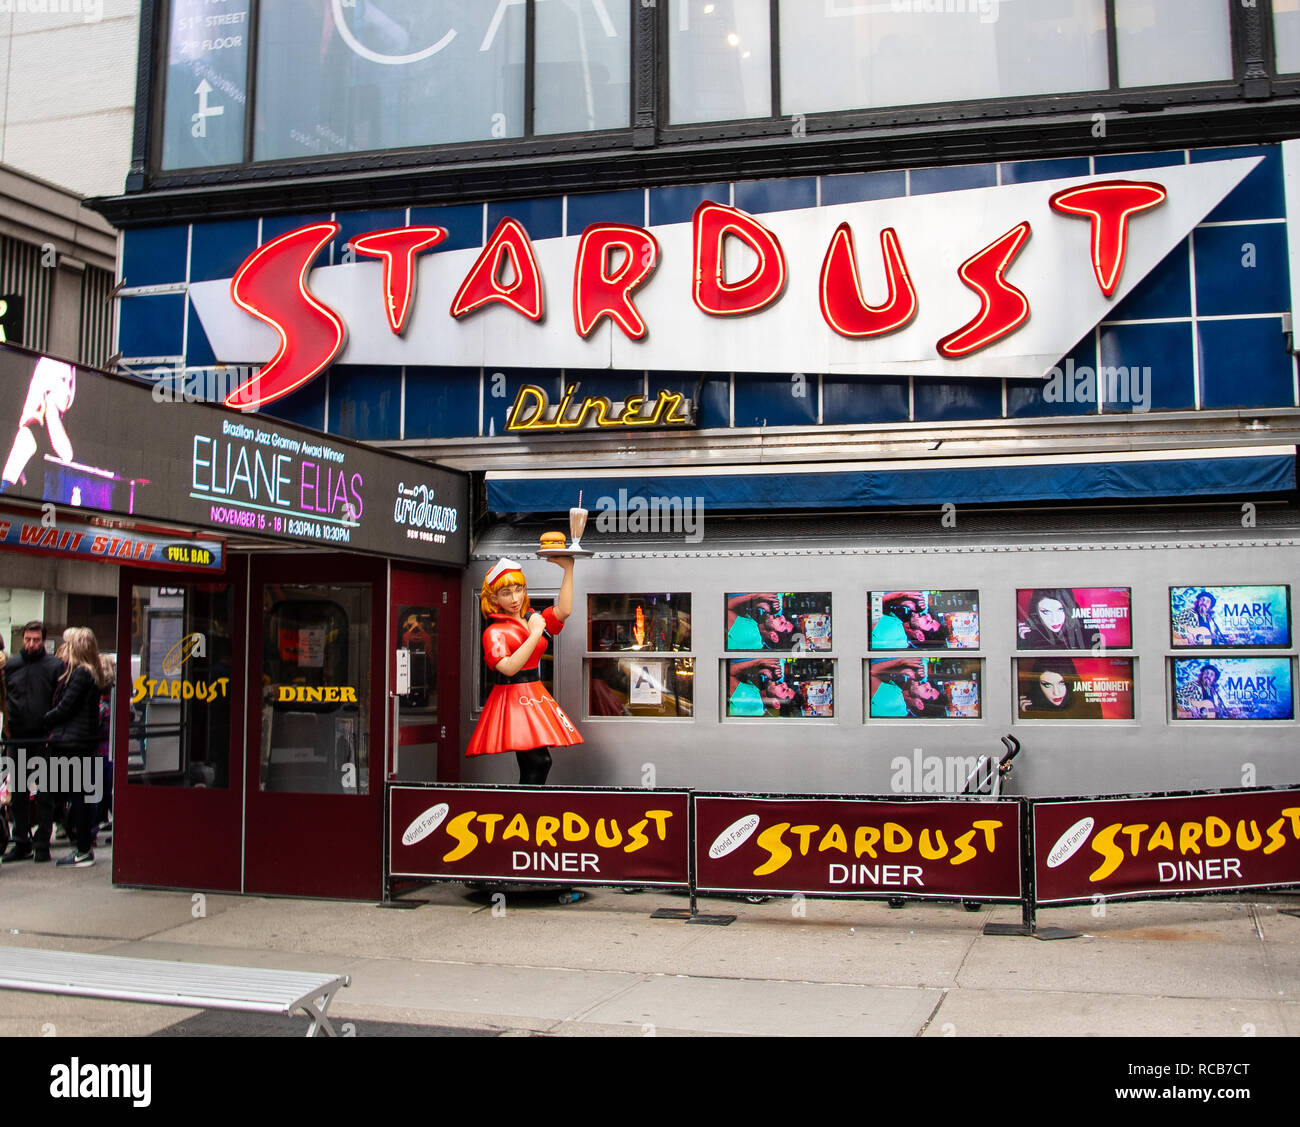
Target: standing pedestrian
x,y
30,677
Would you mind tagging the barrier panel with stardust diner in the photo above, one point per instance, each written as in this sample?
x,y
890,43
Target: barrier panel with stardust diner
x,y
539,836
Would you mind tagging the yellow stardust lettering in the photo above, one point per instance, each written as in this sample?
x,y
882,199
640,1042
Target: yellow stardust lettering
x,y
965,851
636,838
1276,839
1163,838
988,826
1134,832
489,824
864,841
137,689
1251,841
660,819
804,834
547,824
575,827
834,839
1104,843
1293,812
897,839
466,840
1217,832
778,853
608,838
1188,835
518,828
932,852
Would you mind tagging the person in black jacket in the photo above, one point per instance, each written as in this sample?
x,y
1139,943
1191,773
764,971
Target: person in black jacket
x,y
30,677
73,724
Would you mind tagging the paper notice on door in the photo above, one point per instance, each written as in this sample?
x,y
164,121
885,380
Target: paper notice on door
x,y
311,648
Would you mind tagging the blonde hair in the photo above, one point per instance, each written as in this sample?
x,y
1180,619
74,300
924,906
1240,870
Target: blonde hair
x,y
108,670
487,595
82,650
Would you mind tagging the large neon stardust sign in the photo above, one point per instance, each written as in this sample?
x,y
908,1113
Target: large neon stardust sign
x,y
613,260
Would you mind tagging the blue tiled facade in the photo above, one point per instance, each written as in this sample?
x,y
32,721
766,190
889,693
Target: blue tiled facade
x,y
1206,322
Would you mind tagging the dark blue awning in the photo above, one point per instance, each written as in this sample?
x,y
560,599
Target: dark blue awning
x,y
810,485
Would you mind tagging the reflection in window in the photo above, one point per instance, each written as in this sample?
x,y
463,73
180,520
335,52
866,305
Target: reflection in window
x,y
635,685
1162,42
181,655
1286,35
844,55
341,78
207,85
582,77
650,622
316,689
719,54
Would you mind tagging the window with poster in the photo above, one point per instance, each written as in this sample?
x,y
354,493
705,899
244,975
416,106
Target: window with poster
x,y
417,633
180,668
639,661
316,688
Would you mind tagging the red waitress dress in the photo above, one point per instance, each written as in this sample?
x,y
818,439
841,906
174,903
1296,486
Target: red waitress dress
x,y
523,715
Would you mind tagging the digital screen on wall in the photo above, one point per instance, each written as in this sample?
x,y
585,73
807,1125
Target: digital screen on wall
x,y
781,687
790,620
924,688
1230,616
78,437
1232,688
925,620
1073,618
1074,688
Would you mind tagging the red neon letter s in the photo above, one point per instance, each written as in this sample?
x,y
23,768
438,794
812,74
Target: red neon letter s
x,y
1109,206
596,293
398,248
272,286
713,223
841,293
1003,308
482,284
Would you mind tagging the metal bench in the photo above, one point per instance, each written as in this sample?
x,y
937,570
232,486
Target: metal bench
x,y
198,985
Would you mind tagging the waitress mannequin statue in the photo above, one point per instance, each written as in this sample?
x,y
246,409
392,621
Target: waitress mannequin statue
x,y
520,715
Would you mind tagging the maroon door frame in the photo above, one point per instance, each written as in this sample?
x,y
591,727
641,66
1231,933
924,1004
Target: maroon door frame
x,y
178,836
439,588
326,845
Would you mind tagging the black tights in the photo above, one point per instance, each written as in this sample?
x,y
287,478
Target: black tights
x,y
534,766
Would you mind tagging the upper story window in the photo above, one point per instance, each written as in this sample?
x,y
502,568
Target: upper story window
x,y
1286,35
353,76
284,80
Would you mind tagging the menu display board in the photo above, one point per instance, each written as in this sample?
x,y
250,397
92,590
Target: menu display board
x,y
1073,618
1232,688
1230,616
790,620
925,620
780,687
932,688
86,439
1074,688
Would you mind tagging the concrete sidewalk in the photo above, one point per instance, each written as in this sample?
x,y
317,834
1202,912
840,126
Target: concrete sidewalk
x,y
1190,968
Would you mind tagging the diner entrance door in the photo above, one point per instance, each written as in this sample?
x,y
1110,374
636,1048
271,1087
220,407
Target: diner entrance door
x,y
314,780
424,691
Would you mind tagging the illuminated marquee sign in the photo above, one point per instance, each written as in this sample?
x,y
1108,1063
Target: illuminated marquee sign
x,y
532,411
990,282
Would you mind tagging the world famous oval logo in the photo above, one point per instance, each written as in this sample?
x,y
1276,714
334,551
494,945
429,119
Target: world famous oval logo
x,y
424,824
734,836
1067,845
